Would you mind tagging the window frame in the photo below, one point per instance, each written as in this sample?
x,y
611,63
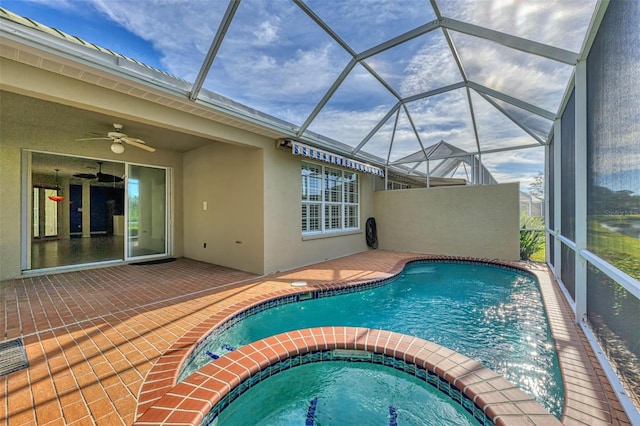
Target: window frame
x,y
324,211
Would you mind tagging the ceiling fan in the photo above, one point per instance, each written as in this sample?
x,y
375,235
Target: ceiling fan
x,y
102,177
117,139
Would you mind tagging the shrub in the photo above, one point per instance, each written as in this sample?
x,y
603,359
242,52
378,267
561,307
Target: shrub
x,y
531,235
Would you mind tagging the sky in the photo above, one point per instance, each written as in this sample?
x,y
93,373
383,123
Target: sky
x,y
275,59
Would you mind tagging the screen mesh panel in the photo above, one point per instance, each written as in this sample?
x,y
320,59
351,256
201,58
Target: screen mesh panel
x,y
568,174
613,187
568,270
613,164
614,315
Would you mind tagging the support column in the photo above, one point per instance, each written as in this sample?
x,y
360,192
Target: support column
x,y
557,196
581,189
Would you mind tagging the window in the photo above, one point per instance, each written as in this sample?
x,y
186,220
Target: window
x,y
391,185
330,199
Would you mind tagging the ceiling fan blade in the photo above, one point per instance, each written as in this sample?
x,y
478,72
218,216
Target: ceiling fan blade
x,y
94,139
104,177
85,175
138,143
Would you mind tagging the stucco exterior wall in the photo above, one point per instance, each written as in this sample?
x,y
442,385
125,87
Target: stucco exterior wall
x,y
285,248
477,221
229,180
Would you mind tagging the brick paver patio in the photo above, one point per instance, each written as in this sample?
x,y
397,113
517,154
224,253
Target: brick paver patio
x,y
92,336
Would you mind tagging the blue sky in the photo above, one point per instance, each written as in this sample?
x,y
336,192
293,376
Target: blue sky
x,y
275,59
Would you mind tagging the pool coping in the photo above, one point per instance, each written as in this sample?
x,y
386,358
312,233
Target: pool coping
x,y
190,401
581,399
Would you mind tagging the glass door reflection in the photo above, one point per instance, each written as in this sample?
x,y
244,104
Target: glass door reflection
x,y
146,211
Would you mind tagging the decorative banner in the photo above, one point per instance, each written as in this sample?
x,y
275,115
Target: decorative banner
x,y
327,157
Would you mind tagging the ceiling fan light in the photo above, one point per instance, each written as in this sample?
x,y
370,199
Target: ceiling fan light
x,y
117,148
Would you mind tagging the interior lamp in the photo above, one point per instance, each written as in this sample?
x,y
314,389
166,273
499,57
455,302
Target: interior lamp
x,y
117,148
57,198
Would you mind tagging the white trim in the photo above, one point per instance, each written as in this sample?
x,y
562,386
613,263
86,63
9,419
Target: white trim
x,y
567,242
580,188
330,234
557,197
629,283
168,214
26,202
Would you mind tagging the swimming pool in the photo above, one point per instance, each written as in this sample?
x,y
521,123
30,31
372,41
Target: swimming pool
x,y
343,392
488,313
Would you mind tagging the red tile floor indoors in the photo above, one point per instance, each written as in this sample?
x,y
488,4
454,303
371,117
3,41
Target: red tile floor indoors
x,y
92,337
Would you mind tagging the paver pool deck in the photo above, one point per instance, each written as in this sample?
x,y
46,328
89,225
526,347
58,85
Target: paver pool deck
x,y
93,336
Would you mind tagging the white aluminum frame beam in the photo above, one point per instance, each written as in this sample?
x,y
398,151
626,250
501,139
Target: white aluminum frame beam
x,y
557,197
213,49
409,35
524,45
376,128
513,101
343,75
311,14
511,117
434,92
393,134
465,154
415,130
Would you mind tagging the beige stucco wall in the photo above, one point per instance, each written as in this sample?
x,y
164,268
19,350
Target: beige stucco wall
x,y
477,221
252,221
229,179
285,247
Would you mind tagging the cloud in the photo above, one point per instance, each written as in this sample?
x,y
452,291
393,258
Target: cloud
x,y
366,23
559,23
533,79
267,32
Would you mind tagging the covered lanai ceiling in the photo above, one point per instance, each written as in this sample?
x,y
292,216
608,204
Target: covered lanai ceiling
x,y
378,80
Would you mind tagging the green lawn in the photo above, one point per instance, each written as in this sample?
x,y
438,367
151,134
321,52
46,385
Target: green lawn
x,y
622,251
540,255
618,249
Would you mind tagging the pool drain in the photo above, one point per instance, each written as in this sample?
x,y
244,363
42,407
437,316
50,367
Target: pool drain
x,y
12,356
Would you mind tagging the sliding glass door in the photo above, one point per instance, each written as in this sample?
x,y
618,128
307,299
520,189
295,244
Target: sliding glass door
x,y
146,212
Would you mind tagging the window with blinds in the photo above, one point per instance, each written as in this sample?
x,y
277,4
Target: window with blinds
x,y
330,199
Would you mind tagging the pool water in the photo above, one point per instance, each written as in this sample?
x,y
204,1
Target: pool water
x,y
488,313
343,393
